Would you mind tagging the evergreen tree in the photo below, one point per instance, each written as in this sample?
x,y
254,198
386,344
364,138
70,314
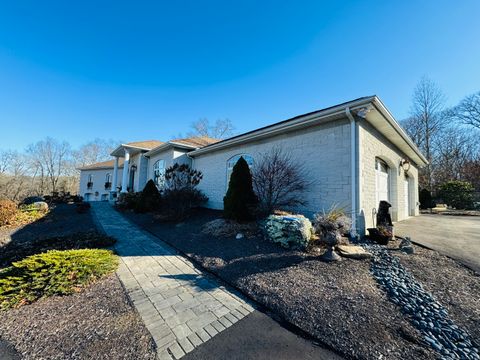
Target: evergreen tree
x,y
240,199
149,199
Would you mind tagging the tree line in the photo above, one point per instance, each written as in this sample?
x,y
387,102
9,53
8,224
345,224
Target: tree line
x,y
50,165
447,136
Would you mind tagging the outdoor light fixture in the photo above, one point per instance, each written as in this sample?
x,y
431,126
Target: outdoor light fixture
x,y
405,164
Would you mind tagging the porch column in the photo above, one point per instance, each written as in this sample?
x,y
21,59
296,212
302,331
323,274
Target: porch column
x,y
125,172
115,176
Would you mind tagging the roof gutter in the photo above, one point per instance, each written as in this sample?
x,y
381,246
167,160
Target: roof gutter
x,y
303,121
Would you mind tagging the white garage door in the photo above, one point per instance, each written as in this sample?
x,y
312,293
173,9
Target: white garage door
x,y
381,182
406,194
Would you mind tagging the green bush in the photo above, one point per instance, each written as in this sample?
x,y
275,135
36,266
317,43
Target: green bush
x,y
425,198
52,273
240,200
15,250
457,194
178,203
8,212
128,201
149,199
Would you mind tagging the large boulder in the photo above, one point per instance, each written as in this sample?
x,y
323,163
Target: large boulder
x,y
40,205
290,231
353,252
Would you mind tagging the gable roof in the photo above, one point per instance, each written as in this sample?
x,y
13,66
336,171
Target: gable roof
x,y
195,141
102,165
191,143
137,146
369,108
146,144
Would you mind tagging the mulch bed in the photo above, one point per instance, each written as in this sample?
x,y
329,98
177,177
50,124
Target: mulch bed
x,y
97,323
62,220
340,304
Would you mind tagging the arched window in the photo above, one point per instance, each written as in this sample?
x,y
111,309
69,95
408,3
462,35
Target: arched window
x,y
108,181
159,173
233,160
90,181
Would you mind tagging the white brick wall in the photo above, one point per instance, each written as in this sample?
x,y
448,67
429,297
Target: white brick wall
x,y
324,150
372,145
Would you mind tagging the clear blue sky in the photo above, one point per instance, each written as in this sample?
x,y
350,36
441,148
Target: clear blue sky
x,y
139,70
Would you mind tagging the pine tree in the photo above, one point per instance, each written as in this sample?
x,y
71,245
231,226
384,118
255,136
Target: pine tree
x,y
149,199
240,198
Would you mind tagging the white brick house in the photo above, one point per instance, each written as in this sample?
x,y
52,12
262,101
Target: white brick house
x,y
356,154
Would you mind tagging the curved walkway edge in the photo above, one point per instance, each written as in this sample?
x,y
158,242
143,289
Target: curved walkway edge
x,y
181,306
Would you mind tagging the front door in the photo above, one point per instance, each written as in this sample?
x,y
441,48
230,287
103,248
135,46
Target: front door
x,y
381,182
132,179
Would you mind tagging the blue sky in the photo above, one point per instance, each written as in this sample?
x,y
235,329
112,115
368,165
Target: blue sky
x,y
146,70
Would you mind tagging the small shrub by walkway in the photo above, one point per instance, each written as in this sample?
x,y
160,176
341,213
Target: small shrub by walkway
x,y
52,273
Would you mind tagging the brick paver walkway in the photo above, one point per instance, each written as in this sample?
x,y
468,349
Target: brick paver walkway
x,y
181,306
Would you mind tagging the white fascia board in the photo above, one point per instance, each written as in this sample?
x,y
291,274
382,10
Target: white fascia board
x,y
298,122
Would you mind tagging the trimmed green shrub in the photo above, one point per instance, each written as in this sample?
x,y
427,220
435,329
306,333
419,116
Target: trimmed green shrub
x,y
15,251
149,199
457,194
8,212
52,273
240,200
425,198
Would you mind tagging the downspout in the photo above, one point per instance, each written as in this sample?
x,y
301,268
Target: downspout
x,y
353,168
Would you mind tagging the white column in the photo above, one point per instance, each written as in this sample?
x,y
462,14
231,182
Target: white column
x,y
125,172
115,176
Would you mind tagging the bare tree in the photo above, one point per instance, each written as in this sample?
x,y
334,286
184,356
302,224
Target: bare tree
x,y
95,151
468,110
278,181
51,158
13,175
426,122
454,150
222,128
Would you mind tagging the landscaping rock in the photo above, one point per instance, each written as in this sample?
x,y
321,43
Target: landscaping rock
x,y
406,246
353,252
289,230
425,313
228,228
40,205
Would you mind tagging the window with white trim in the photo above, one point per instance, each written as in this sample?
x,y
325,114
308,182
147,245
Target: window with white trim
x,y
159,173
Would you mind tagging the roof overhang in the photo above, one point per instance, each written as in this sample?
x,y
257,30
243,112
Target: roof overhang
x,y
382,120
168,145
376,114
120,150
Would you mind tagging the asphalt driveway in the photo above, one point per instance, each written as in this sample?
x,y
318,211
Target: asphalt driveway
x,y
455,236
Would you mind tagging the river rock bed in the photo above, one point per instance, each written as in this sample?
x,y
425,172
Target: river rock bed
x,y
425,313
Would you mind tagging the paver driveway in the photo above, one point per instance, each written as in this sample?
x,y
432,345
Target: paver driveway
x,y
454,236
